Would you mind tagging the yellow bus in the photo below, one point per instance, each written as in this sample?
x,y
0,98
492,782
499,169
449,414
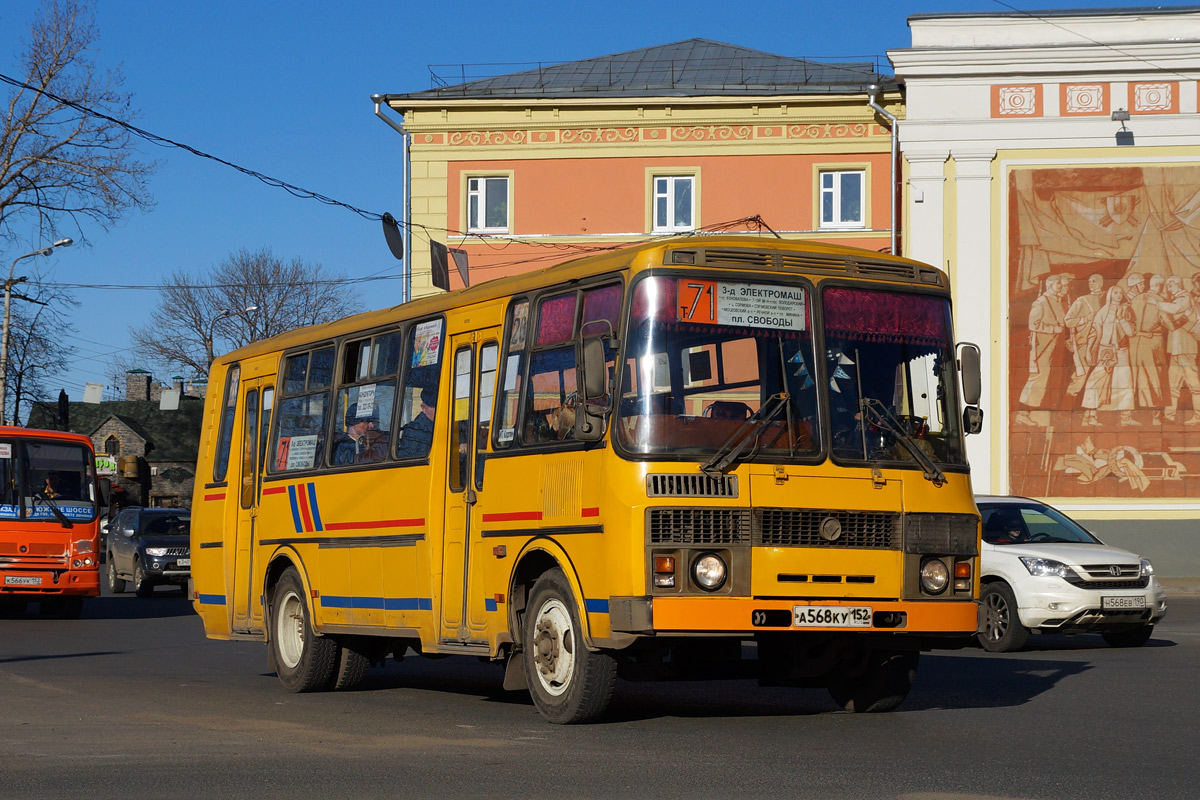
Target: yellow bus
x,y
643,463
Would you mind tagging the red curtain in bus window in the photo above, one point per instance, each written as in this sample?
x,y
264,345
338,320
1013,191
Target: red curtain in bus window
x,y
886,316
556,319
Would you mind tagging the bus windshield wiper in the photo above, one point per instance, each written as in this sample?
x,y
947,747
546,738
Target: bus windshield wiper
x,y
878,415
54,509
729,451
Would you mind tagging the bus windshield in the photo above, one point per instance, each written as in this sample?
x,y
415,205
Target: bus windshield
x,y
890,379
714,366
46,481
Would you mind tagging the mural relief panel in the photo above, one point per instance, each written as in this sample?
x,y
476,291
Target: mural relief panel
x,y
1104,319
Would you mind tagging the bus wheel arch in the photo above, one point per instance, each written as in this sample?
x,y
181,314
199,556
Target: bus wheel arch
x,y
541,556
303,661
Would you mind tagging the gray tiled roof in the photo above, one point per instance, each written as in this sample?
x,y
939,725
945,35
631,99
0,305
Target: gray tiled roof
x,y
692,68
172,435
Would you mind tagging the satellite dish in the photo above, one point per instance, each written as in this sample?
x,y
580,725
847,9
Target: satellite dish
x,y
395,239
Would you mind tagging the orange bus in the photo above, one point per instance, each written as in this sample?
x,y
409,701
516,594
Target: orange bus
x,y
49,521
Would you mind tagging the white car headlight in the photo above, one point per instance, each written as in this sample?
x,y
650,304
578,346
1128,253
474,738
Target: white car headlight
x,y
156,551
1046,567
1147,568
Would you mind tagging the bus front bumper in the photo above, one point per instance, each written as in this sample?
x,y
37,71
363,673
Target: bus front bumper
x,y
663,615
40,582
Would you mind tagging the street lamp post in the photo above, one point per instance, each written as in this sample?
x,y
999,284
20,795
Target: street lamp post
x,y
212,326
8,284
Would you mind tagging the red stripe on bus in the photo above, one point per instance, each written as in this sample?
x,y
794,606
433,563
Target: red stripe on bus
x,y
513,516
275,490
590,512
376,523
305,516
220,496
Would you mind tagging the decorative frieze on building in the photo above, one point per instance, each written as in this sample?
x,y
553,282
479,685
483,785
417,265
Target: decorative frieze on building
x,y
1154,98
627,134
1085,99
598,135
1017,101
487,138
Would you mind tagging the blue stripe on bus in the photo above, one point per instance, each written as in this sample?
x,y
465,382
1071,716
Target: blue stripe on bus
x,y
596,606
295,509
385,603
312,506
212,599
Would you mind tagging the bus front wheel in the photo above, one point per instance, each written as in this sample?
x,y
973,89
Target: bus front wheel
x,y
568,683
882,684
303,661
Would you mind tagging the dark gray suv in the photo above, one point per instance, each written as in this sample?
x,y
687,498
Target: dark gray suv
x,y
149,547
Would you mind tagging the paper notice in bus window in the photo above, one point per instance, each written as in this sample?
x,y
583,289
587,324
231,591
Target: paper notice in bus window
x,y
366,401
8,512
512,372
5,451
749,305
302,454
427,343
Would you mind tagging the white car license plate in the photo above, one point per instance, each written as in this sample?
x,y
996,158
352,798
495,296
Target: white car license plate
x,y
1122,602
831,616
183,562
21,580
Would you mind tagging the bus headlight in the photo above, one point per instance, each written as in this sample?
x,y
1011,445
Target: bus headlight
x,y
709,572
934,576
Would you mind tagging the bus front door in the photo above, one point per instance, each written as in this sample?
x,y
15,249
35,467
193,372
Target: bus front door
x,y
257,398
464,608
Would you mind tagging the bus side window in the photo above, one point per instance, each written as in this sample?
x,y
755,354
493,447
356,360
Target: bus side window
x,y
514,360
300,420
221,463
488,355
419,390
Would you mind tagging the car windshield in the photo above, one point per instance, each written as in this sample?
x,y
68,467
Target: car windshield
x,y
1022,523
166,525
719,368
890,376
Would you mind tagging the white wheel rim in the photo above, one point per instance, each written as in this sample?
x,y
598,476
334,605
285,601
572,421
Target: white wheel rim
x,y
553,647
289,629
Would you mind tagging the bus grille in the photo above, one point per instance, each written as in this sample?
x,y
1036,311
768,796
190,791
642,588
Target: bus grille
x,y
708,526
691,485
946,534
807,527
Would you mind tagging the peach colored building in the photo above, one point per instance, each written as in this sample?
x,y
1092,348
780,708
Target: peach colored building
x,y
525,170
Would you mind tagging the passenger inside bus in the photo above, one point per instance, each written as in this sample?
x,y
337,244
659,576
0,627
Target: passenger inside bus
x,y
361,442
417,434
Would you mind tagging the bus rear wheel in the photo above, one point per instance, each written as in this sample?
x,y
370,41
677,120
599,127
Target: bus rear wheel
x,y
569,683
881,685
304,662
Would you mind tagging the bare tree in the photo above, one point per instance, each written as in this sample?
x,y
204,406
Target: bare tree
x,y
197,314
37,349
57,160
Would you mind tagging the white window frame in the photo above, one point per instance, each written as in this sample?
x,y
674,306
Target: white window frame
x,y
835,191
663,226
477,191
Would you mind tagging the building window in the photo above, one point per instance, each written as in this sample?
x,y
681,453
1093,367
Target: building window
x,y
842,199
112,446
674,203
487,205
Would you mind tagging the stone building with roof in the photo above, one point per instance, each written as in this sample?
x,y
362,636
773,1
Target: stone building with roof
x,y
524,170
152,441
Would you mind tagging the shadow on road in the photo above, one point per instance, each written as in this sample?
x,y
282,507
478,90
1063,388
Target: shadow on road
x,y
167,602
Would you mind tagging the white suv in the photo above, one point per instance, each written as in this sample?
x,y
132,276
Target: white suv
x,y
1042,572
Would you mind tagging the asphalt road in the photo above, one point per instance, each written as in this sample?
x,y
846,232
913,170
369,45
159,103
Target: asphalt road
x,y
133,701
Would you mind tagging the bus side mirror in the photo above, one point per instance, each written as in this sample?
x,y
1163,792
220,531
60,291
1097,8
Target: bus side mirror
x,y
968,369
596,401
972,419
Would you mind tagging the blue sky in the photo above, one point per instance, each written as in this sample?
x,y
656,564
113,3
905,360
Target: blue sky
x,y
284,89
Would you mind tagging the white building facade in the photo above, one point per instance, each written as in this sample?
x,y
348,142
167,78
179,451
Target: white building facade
x,y
1051,165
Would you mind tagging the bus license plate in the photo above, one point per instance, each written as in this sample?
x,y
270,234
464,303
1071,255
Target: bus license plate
x,y
831,616
1122,602
183,562
21,580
